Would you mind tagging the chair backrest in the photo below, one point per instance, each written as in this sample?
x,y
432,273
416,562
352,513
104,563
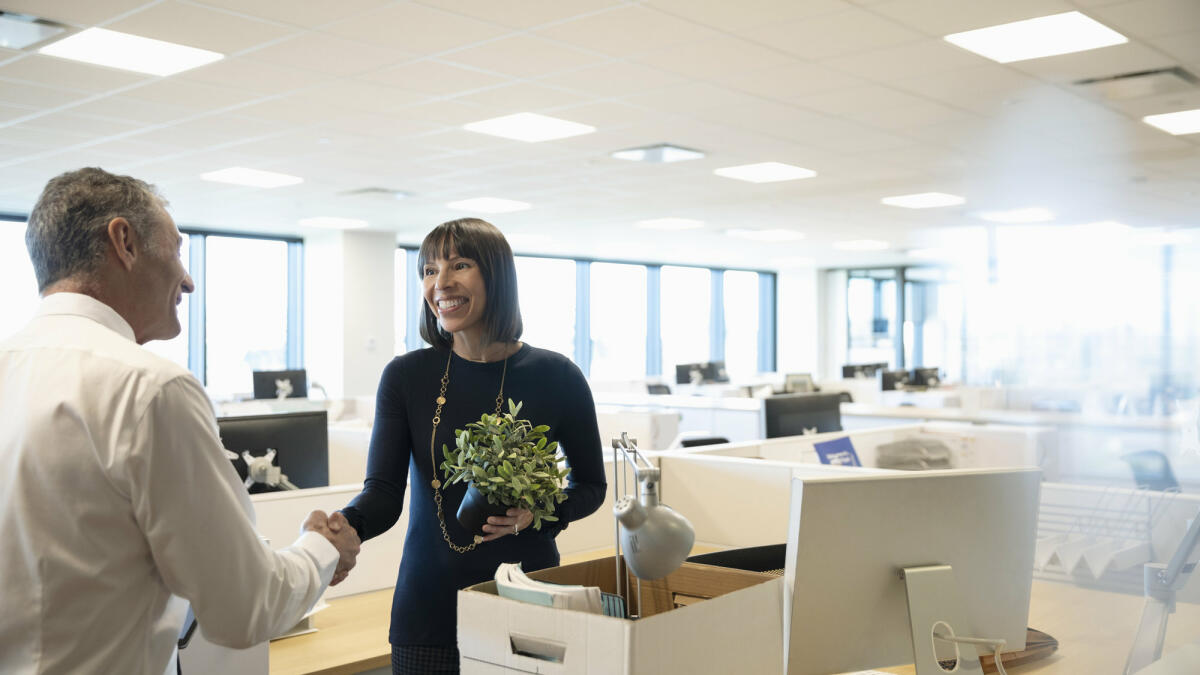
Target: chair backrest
x,y
657,389
707,440
1152,470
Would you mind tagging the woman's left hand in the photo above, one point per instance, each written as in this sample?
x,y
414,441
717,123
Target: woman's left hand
x,y
513,523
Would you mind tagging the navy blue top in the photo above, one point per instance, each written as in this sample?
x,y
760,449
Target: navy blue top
x,y
554,392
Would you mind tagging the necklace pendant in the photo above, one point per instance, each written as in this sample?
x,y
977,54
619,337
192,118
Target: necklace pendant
x,y
478,539
436,483
441,400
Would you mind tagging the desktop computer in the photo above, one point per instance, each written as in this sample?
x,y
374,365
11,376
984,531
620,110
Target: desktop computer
x,y
892,380
300,441
877,565
280,384
862,370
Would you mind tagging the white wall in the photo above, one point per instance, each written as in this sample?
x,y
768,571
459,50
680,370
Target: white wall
x,y
348,307
832,332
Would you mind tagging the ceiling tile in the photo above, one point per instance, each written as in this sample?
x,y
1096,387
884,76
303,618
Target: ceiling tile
x,y
72,11
521,97
263,78
12,112
794,81
385,126
603,115
525,14
733,16
1132,57
444,113
435,78
719,55
198,26
626,31
925,56
1150,18
306,13
363,97
419,29
1183,46
70,74
195,96
613,79
303,108
522,56
1138,108
329,54
985,88
210,131
692,96
28,94
832,35
857,100
133,110
37,137
920,114
937,18
81,124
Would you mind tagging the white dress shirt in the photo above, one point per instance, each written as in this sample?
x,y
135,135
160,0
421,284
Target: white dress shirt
x,y
115,496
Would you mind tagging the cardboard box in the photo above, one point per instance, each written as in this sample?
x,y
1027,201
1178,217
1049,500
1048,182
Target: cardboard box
x,y
697,620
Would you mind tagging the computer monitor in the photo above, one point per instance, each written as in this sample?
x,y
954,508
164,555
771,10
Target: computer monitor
x,y
847,605
798,383
926,377
300,440
714,371
861,370
689,373
280,384
894,379
800,414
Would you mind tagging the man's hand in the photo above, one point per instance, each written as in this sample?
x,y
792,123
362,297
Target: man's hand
x,y
344,538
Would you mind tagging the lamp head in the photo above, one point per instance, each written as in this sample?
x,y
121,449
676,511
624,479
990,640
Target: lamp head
x,y
655,539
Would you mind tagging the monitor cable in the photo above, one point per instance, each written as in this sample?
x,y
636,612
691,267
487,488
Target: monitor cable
x,y
995,645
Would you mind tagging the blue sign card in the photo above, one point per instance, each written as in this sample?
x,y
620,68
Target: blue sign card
x,y
839,451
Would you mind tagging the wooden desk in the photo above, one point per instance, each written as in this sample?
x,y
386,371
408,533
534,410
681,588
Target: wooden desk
x,y
352,636
1094,629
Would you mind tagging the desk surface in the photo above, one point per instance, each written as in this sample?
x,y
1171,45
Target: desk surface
x,y
1094,630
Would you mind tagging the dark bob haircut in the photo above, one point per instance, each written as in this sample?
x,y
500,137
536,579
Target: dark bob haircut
x,y
482,242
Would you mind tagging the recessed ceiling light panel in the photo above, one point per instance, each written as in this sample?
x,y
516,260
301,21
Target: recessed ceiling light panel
x,y
1033,214
18,31
1176,123
334,223
923,200
1034,38
765,172
488,205
670,224
529,127
238,175
861,245
663,153
104,47
765,235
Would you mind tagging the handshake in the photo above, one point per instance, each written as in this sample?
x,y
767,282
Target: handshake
x,y
344,538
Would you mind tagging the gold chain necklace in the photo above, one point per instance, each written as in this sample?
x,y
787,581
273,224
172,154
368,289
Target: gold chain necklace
x,y
437,484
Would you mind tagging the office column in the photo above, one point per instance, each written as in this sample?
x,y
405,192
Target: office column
x,y
653,320
716,317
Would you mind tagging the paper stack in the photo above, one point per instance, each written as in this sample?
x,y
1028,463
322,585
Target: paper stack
x,y
512,583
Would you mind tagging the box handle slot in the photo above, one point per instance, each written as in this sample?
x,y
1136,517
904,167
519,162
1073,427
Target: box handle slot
x,y
537,648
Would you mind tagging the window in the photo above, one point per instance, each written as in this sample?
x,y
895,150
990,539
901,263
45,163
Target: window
x,y
400,292
871,313
741,323
547,295
618,321
246,311
686,309
16,278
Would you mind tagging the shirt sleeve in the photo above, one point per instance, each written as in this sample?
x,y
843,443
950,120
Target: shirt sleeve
x,y
377,508
197,519
580,442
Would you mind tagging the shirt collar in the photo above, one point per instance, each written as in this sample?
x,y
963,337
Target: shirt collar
x,y
77,304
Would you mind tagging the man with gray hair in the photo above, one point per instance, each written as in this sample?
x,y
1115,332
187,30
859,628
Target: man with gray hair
x,y
116,500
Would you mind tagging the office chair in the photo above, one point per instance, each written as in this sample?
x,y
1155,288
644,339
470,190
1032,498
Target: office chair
x,y
704,440
1152,470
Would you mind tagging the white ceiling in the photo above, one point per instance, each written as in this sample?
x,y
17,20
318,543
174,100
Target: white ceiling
x,y
373,93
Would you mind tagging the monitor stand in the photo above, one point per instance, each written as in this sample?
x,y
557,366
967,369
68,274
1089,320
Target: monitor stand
x,y
933,604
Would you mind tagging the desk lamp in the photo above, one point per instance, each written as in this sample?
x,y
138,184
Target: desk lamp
x,y
1161,583
653,538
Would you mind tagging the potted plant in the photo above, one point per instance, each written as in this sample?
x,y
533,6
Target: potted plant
x,y
508,463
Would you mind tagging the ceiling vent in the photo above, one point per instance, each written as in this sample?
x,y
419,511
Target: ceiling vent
x,y
1138,85
21,31
377,192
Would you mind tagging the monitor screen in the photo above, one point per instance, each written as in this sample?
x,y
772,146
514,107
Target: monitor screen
x,y
862,370
851,537
280,384
800,414
798,383
714,371
894,379
689,373
926,377
300,440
